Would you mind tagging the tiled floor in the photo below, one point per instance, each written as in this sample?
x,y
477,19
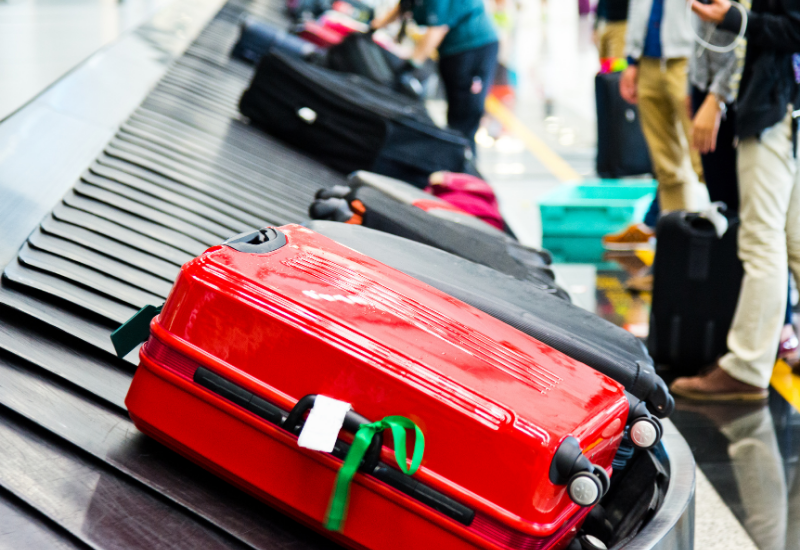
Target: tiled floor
x,y
748,456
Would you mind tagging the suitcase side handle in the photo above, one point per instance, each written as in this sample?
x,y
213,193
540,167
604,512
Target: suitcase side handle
x,y
352,422
263,241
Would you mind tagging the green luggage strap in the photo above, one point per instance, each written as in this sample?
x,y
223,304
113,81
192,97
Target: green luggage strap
x,y
134,331
398,425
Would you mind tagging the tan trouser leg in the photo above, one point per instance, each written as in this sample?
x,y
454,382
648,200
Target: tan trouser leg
x,y
612,40
770,207
662,111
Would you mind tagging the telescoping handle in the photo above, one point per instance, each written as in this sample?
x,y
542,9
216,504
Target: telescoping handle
x,y
352,422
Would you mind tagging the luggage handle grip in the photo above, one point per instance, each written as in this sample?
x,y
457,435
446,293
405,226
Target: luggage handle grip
x,y
352,422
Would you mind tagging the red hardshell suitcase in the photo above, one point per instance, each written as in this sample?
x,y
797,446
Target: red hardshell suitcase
x,y
317,34
251,328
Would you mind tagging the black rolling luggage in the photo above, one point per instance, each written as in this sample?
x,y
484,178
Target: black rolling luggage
x,y
697,277
523,305
350,122
308,8
621,148
377,205
359,54
256,38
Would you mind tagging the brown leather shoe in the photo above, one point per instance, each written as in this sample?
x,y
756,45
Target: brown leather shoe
x,y
635,237
717,385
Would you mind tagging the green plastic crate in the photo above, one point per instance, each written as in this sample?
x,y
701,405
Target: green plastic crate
x,y
575,217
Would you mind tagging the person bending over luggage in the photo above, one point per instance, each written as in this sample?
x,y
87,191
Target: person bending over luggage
x,y
468,46
769,195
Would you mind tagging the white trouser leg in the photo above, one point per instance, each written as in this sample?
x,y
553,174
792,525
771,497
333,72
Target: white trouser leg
x,y
758,469
767,182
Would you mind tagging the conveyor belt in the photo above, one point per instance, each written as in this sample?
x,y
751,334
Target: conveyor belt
x,y
182,174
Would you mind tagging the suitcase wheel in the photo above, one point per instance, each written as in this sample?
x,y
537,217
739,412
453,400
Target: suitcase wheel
x,y
331,209
645,432
586,483
585,489
335,192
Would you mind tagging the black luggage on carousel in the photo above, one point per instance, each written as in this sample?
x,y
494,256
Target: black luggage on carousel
x,y
314,8
308,8
456,233
359,54
697,277
409,194
256,38
350,122
621,148
523,305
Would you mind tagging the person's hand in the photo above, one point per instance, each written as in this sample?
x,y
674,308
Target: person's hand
x,y
629,83
714,12
706,125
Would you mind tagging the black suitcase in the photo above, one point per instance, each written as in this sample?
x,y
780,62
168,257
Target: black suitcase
x,y
697,278
256,38
527,307
308,8
387,210
409,194
314,8
621,148
359,54
350,122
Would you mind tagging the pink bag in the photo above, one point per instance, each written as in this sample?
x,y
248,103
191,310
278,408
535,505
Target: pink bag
x,y
319,35
341,24
469,193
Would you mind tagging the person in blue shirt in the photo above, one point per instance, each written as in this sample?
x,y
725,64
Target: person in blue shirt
x,y
467,42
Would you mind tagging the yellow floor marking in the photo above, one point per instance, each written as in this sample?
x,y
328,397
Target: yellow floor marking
x,y
551,160
786,383
647,256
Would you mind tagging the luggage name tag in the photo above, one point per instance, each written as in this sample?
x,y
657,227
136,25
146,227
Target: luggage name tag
x,y
134,331
323,424
337,509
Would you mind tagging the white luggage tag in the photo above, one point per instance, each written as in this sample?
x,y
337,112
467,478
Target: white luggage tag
x,y
323,424
714,214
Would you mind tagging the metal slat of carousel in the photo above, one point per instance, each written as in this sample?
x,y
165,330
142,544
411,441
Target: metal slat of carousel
x,y
181,174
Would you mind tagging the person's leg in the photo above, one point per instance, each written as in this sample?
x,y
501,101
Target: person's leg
x,y
603,40
677,89
615,39
719,166
767,185
653,213
793,252
658,118
468,78
760,477
793,231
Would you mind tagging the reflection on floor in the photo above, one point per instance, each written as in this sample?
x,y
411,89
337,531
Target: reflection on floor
x,y
749,454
